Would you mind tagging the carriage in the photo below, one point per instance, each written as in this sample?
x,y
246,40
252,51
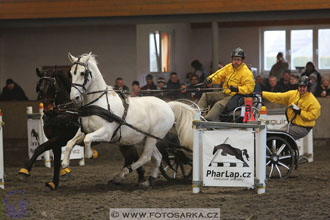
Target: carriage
x,y
282,153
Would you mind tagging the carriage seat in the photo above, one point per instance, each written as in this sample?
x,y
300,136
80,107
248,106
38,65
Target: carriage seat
x,y
232,112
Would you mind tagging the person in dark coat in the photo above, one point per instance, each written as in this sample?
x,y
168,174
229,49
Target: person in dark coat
x,y
173,85
12,92
272,85
310,68
149,86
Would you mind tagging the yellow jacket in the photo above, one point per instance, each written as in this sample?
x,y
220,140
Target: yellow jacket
x,y
242,78
310,107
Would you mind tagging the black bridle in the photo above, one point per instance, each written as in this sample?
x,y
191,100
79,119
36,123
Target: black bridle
x,y
87,73
54,84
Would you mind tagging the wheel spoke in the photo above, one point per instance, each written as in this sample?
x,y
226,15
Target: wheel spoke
x,y
285,157
283,165
271,171
269,151
166,168
268,162
278,170
274,145
281,149
182,170
267,156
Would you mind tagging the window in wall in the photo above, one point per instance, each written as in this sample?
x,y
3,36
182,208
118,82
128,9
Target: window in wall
x,y
274,42
301,48
324,48
159,51
301,45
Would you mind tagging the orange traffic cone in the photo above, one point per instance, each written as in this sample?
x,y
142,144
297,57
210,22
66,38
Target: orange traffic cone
x,y
248,116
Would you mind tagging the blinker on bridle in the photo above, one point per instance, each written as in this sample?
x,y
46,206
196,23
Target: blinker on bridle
x,y
53,79
86,74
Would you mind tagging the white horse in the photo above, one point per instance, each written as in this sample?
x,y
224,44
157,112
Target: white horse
x,y
149,114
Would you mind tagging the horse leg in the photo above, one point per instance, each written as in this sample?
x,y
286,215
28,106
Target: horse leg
x,y
156,159
145,157
57,165
131,155
24,173
76,139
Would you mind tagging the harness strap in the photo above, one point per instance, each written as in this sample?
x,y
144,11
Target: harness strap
x,y
125,102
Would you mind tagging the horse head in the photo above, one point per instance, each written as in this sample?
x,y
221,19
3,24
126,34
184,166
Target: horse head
x,y
246,154
81,75
53,88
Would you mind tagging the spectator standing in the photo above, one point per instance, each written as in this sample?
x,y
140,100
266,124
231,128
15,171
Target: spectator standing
x,y
279,67
324,89
310,68
12,92
135,88
119,85
199,70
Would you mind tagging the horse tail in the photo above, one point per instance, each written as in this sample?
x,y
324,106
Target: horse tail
x,y
184,115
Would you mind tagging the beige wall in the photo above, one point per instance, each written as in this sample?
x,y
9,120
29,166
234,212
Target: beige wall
x,y
24,49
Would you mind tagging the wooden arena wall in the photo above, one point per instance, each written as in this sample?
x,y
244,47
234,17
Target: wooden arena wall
x,y
30,9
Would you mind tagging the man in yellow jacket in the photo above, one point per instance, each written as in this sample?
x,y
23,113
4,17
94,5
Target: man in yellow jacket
x,y
236,78
305,108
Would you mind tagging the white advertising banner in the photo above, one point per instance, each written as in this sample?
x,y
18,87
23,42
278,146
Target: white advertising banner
x,y
228,158
35,136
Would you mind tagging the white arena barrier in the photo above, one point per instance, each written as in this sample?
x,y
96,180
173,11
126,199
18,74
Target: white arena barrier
x,y
36,136
225,156
276,119
2,167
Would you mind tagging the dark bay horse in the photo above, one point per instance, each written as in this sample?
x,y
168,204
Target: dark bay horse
x,y
60,126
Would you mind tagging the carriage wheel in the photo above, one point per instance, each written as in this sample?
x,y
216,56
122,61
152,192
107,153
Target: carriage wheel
x,y
279,157
175,166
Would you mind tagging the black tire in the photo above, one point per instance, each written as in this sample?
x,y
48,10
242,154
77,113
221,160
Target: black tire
x,y
175,166
280,157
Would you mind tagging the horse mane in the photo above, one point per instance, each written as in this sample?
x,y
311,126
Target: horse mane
x,y
92,58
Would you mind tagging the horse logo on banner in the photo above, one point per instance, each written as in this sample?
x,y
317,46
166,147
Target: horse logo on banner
x,y
227,156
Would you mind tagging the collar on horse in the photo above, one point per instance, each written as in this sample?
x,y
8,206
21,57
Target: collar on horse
x,y
106,114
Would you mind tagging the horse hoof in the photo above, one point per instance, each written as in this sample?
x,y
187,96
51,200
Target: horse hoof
x,y
23,174
95,154
51,185
141,180
145,184
152,181
65,174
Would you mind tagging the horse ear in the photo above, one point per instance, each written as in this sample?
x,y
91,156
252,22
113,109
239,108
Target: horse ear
x,y
88,56
72,58
39,73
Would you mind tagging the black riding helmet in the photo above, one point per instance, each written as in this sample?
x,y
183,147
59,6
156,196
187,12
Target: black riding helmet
x,y
304,81
238,52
